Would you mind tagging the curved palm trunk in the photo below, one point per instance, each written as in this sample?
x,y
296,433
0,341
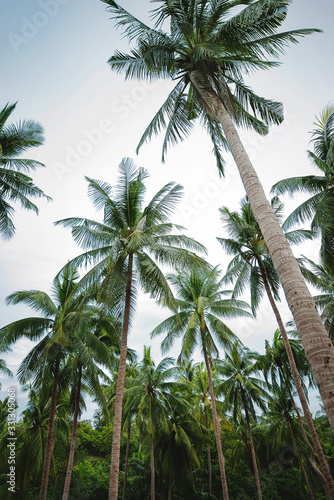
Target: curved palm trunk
x,y
152,469
252,447
116,439
216,425
327,477
126,461
318,347
208,453
67,484
49,439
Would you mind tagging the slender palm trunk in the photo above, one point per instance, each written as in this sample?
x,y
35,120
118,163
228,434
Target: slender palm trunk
x,y
216,425
208,452
170,489
318,347
307,479
126,461
152,469
73,438
308,444
116,440
252,447
327,477
49,439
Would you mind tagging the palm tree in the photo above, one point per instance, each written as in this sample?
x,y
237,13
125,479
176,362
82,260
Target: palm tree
x,y
31,432
90,347
125,248
199,386
14,184
199,308
321,276
274,363
181,436
207,52
319,207
281,424
149,394
242,390
253,264
58,319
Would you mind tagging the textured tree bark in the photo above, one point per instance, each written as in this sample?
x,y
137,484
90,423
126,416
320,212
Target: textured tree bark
x,y
152,469
216,425
327,477
251,442
49,439
126,461
116,440
73,438
318,347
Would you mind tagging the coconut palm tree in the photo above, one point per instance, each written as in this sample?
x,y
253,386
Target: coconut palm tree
x,y
125,248
149,394
280,422
31,433
15,185
181,437
59,318
207,51
199,386
242,390
319,208
274,365
253,264
90,348
321,276
200,307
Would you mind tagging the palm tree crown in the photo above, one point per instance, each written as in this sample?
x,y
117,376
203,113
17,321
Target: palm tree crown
x,y
319,207
14,184
210,46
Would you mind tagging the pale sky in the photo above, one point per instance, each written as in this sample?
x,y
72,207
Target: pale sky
x,y
53,57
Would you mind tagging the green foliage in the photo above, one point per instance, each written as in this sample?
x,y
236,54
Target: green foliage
x,y
15,185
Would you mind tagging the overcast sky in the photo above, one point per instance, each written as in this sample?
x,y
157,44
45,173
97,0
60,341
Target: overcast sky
x,y
53,57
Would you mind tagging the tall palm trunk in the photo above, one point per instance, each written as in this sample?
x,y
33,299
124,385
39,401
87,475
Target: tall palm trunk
x,y
208,452
216,424
252,447
49,439
152,469
73,438
116,439
170,489
318,348
327,477
312,456
126,461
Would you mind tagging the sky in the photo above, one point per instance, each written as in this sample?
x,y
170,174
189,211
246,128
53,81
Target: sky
x,y
53,56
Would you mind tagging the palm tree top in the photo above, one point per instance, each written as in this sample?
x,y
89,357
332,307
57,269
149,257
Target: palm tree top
x,y
15,184
208,45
